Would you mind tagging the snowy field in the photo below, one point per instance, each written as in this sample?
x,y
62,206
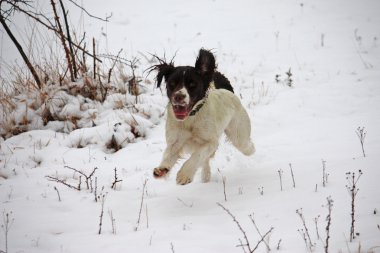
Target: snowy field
x,y
332,49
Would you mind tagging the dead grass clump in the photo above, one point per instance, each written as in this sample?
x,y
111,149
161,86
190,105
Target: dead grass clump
x,y
74,80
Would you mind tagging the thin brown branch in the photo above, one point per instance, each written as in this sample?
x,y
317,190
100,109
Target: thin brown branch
x,y
21,51
113,65
63,41
262,239
239,226
69,40
50,26
116,180
141,204
102,201
258,231
61,181
87,177
93,52
92,16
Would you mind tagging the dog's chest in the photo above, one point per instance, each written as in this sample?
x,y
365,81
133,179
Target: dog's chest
x,y
199,131
208,123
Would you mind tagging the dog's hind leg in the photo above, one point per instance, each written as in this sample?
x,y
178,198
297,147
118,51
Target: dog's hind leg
x,y
238,132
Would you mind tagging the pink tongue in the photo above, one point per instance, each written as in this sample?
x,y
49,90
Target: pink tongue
x,y
180,112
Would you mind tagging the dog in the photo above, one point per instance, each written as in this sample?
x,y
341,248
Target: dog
x,y
202,106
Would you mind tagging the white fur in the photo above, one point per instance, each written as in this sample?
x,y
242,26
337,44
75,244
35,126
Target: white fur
x,y
199,135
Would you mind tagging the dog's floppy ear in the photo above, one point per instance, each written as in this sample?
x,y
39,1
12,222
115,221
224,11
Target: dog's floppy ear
x,y
164,71
205,62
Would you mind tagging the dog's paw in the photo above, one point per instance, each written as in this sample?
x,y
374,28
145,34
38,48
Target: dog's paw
x,y
249,149
184,178
160,172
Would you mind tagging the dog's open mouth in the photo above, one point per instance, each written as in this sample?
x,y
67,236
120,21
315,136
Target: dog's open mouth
x,y
181,111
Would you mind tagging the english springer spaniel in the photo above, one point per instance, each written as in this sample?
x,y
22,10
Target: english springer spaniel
x,y
202,107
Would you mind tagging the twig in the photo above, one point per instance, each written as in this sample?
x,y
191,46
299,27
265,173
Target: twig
x,y
49,27
258,231
361,133
289,80
59,196
302,233
63,41
102,199
22,52
92,16
278,244
116,180
113,222
185,204
280,172
325,175
96,189
247,244
69,40
7,224
309,244
316,226
94,62
141,204
291,172
87,177
262,238
80,182
224,185
113,65
328,218
353,191
239,226
50,178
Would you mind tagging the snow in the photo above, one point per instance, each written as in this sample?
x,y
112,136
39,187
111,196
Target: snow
x,y
333,52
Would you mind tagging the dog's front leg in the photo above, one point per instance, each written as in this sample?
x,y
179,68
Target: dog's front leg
x,y
186,174
171,154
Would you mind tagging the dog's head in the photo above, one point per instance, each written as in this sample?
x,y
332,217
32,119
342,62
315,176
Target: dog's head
x,y
186,85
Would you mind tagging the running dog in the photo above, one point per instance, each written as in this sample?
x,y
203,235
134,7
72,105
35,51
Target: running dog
x,y
202,106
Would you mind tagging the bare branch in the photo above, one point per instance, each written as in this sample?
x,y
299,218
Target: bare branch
x,y
262,239
69,40
87,177
63,41
21,51
50,26
258,231
54,179
141,204
92,16
239,226
116,180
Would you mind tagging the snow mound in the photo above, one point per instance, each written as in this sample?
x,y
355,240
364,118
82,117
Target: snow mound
x,y
120,119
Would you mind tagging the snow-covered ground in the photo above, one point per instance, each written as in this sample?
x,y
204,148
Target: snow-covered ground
x,y
333,51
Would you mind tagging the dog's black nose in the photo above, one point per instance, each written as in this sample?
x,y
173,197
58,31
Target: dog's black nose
x,y
179,97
